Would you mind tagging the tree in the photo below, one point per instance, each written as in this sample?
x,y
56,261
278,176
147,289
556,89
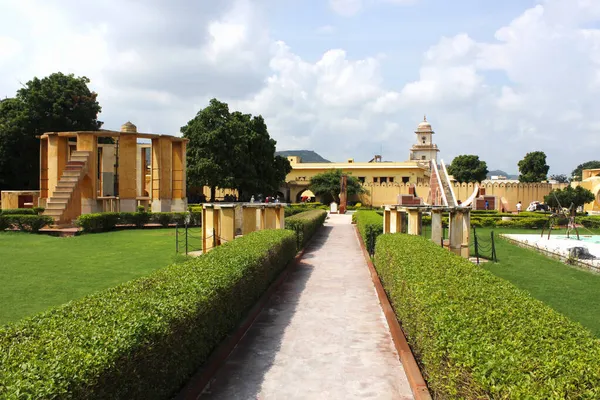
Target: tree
x,y
533,167
576,174
232,150
567,196
55,103
561,178
329,184
468,168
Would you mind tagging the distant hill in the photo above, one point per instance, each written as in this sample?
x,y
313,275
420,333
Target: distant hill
x,y
500,172
306,156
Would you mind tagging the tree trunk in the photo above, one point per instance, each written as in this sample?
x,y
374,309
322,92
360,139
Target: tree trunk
x,y
213,193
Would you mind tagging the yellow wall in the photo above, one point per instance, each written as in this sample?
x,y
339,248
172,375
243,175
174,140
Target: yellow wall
x,y
591,181
10,199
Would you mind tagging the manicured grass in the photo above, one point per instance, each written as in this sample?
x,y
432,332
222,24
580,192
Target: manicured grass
x,y
569,290
40,271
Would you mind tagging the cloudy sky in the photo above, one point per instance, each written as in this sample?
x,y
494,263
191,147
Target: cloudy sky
x,y
346,78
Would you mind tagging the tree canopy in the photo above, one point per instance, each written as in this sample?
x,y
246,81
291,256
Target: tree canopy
x,y
328,184
576,174
560,178
468,168
232,150
57,102
533,167
567,196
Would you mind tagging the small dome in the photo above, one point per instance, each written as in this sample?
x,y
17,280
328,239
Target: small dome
x,y
424,126
128,127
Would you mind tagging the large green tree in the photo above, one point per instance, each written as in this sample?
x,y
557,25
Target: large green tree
x,y
232,150
576,174
57,102
577,196
328,184
533,167
468,168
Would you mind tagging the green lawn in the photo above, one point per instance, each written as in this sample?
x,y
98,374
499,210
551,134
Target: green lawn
x,y
40,271
571,291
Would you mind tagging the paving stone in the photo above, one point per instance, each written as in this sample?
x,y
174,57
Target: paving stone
x,y
323,334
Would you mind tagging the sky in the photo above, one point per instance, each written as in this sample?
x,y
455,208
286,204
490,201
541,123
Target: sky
x,y
345,78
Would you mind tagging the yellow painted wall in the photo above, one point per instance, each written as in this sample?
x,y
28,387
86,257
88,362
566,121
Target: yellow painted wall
x,y
127,166
10,199
591,181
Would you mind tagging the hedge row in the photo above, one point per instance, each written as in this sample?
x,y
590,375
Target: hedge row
x,y
370,225
305,224
143,339
22,211
476,335
103,222
25,222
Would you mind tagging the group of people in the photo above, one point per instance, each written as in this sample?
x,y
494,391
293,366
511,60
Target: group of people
x,y
267,199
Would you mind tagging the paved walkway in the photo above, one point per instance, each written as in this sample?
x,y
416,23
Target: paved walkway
x,y
322,335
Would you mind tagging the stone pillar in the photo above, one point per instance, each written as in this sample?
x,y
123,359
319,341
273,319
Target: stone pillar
x,y
414,222
393,220
127,172
178,192
57,155
227,231
280,218
456,232
436,226
248,220
211,228
270,218
261,218
161,174
466,233
89,142
386,220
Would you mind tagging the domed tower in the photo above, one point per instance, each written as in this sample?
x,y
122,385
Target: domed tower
x,y
424,149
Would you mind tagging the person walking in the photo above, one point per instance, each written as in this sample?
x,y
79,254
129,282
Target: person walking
x,y
487,205
519,206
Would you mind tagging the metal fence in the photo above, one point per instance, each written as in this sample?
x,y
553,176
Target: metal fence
x,y
484,247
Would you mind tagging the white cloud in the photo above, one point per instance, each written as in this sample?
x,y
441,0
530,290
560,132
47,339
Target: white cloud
x,y
349,8
535,86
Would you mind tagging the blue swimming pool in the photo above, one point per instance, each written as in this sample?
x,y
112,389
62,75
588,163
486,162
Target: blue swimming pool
x,y
583,238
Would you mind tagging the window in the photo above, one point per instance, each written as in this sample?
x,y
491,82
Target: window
x,y
375,179
383,179
405,179
423,138
391,179
361,179
422,157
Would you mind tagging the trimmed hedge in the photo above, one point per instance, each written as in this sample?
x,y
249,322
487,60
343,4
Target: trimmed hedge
x,y
477,336
106,221
143,339
19,211
370,226
25,222
305,224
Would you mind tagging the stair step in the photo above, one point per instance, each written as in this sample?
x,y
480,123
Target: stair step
x,y
56,206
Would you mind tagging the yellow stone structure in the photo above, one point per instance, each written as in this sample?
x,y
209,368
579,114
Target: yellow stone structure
x,y
590,179
223,222
11,199
93,171
385,181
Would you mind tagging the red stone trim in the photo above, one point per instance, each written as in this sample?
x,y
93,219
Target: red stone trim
x,y
411,368
197,383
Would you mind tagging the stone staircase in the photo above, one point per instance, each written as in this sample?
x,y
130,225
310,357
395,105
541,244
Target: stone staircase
x,y
65,203
448,192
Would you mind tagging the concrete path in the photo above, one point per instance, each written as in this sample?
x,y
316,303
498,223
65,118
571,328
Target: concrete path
x,y
322,335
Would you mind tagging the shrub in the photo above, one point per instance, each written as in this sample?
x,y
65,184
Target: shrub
x,y
28,223
195,215
166,218
589,222
19,211
139,219
305,225
143,339
39,210
100,222
477,336
370,225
